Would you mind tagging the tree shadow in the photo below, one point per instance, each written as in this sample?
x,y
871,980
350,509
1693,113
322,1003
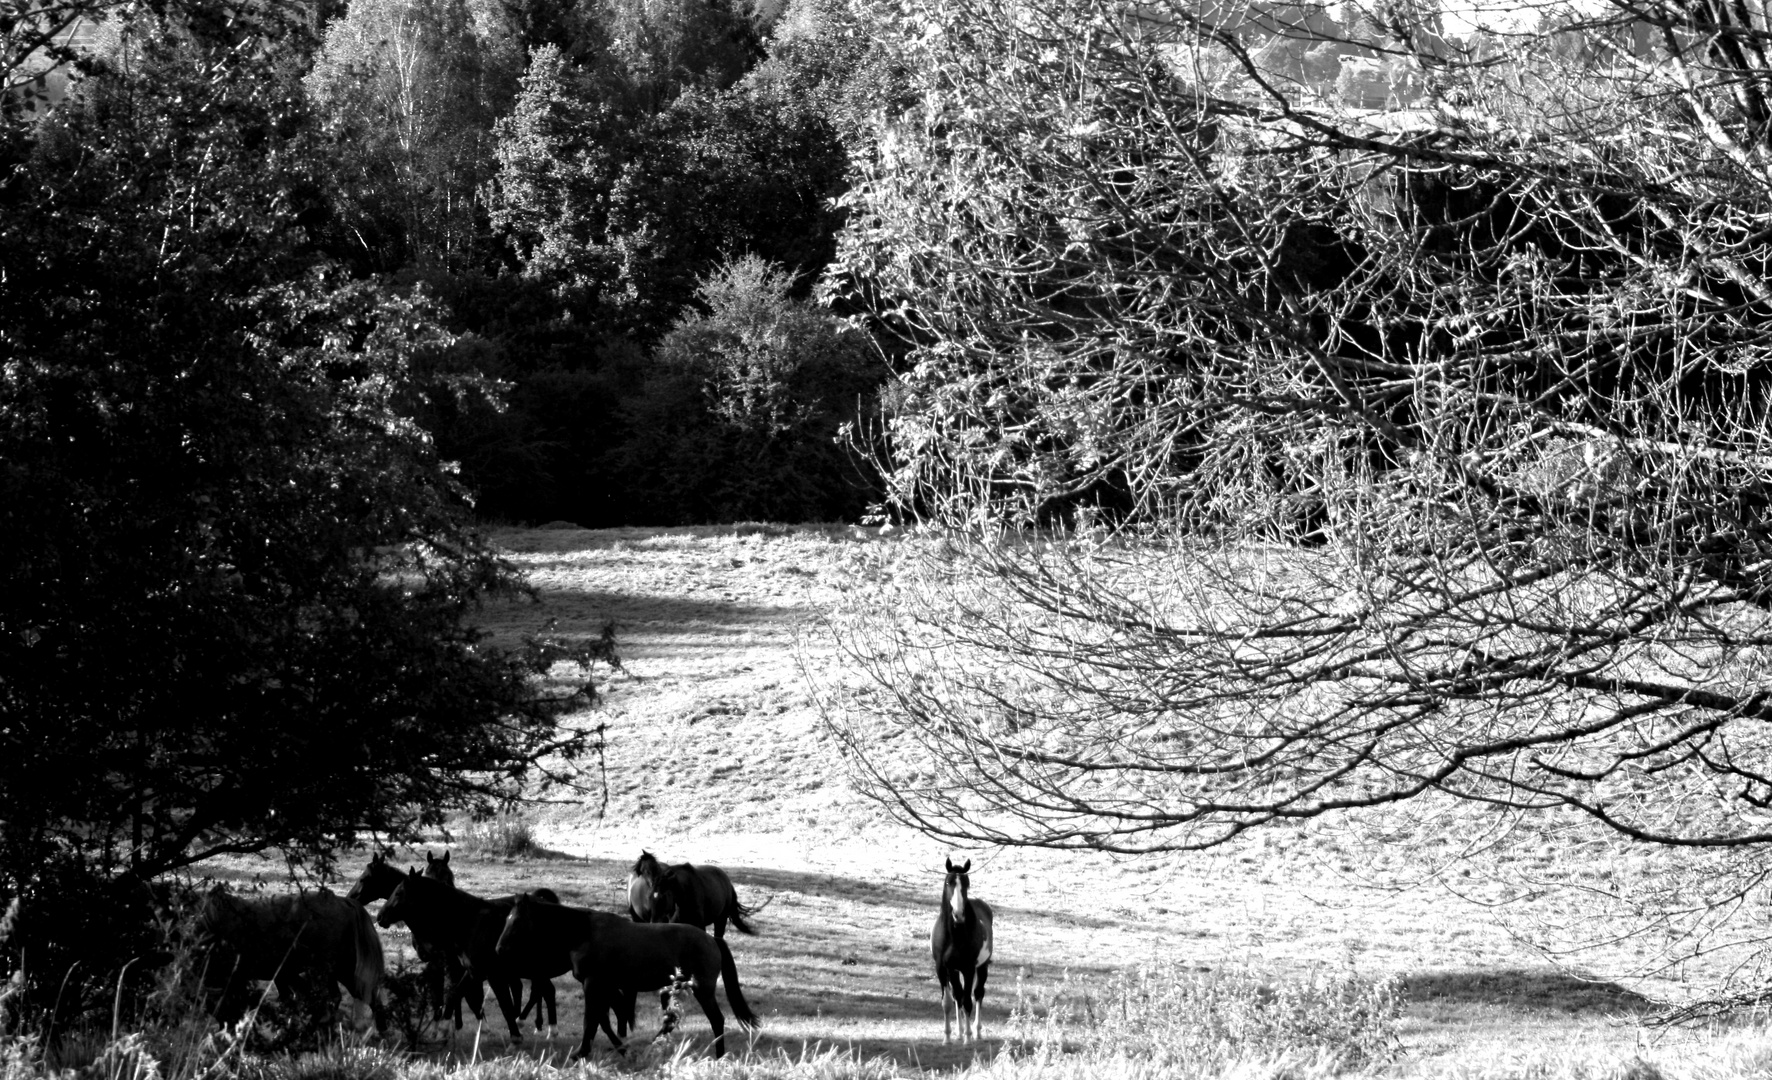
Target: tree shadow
x,y
1526,990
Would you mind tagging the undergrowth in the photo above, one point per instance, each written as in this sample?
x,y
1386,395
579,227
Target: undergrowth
x,y
1154,1023
1168,1015
501,836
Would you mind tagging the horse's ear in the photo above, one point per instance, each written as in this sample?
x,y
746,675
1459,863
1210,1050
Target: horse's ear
x,y
967,869
445,859
950,863
412,872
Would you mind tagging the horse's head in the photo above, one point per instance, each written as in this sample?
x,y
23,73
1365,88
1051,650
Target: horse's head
x,y
647,866
954,891
664,899
438,869
519,931
377,881
405,901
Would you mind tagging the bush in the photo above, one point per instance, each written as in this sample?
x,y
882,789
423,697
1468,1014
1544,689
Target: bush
x,y
504,835
1171,1016
741,412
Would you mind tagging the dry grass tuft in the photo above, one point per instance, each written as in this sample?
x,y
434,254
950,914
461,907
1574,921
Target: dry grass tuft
x,y
1192,1018
502,836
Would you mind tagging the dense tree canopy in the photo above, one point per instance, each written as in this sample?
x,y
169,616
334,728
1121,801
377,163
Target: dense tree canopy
x,y
238,577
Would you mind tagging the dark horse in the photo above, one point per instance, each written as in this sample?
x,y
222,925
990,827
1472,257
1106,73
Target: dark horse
x,y
541,991
303,942
961,944
615,959
443,971
697,895
468,926
441,968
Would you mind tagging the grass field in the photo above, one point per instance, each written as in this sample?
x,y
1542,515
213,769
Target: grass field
x,y
716,754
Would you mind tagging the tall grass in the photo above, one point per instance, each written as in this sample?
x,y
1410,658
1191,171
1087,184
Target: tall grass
x,y
1159,1022
1167,1016
502,836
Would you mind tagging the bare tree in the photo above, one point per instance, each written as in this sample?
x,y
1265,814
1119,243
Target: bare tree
x,y
1291,457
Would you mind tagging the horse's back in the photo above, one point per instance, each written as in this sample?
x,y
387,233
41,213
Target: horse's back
x,y
642,956
265,931
704,893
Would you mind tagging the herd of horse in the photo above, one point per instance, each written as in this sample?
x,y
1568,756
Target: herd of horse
x,y
309,943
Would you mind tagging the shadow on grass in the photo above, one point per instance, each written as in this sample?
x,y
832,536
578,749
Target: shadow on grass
x,y
1526,990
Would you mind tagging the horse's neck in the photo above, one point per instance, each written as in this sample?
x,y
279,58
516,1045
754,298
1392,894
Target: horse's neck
x,y
382,884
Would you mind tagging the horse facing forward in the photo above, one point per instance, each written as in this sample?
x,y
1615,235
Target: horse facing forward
x,y
961,944
303,942
615,959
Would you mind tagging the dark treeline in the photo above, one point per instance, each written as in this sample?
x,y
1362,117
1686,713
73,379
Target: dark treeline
x,y
619,209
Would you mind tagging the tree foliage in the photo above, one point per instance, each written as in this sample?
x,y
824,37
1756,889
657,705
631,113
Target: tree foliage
x,y
411,88
1395,455
741,415
238,578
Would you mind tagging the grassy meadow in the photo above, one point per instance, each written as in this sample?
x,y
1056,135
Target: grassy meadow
x,y
1264,959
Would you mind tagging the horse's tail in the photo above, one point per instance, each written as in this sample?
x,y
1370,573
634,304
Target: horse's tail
x,y
734,996
738,913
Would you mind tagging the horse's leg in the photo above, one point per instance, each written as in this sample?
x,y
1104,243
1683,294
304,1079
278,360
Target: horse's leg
x,y
947,1025
626,1001
710,1007
984,972
509,993
963,1002
583,1052
547,986
459,986
604,1008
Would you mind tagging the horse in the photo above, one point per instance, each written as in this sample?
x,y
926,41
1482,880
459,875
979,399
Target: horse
x,y
697,895
444,973
302,942
640,895
961,944
469,926
541,991
615,958
441,968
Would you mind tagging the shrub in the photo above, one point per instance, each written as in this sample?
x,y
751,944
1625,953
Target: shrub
x,y
1166,1015
503,835
742,408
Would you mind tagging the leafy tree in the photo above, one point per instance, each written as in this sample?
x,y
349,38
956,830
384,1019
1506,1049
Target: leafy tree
x,y
411,89
631,208
1407,462
668,46
741,415
838,58
237,575
559,154
745,172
